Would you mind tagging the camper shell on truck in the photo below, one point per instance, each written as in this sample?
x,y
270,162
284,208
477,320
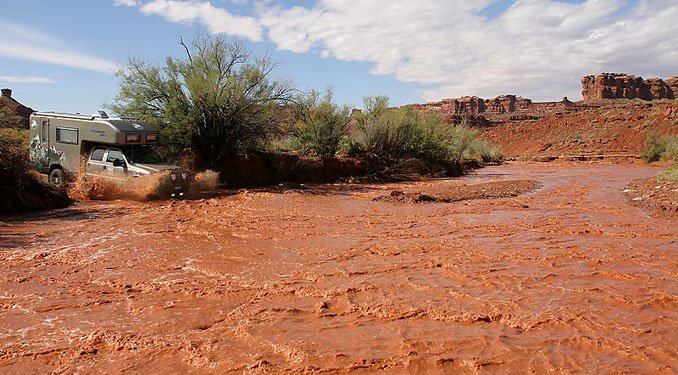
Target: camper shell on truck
x,y
114,147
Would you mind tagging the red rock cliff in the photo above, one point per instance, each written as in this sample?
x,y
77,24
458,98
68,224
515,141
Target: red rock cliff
x,y
478,111
624,86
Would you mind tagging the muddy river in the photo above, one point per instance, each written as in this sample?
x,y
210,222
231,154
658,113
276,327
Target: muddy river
x,y
567,278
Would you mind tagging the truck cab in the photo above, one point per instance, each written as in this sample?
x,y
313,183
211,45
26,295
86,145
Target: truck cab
x,y
124,162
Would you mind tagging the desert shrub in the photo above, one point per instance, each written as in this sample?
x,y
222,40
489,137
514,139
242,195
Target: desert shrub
x,y
322,123
217,100
671,149
433,140
671,173
462,139
21,188
381,131
427,138
657,147
9,119
286,144
14,162
405,132
671,153
484,152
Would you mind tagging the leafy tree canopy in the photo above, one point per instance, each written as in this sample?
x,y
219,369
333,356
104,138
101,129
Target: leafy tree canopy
x,y
217,100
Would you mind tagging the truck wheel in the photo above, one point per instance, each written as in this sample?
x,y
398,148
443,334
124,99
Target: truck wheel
x,y
56,177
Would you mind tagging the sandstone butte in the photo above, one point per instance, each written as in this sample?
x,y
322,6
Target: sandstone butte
x,y
624,86
476,111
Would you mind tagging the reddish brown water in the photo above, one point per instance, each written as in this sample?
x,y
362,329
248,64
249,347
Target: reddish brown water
x,y
570,278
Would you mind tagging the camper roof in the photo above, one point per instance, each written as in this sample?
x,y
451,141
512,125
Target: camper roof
x,y
100,115
124,124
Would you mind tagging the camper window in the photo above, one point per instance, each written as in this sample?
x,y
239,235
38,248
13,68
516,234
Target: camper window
x,y
67,135
45,130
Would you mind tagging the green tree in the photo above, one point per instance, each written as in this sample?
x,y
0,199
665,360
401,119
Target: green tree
x,y
216,100
322,124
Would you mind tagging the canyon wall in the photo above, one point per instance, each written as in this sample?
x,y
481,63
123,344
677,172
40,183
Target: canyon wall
x,y
624,86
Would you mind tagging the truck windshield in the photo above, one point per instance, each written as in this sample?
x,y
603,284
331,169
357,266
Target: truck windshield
x,y
141,154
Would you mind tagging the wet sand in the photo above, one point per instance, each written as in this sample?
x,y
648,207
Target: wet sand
x,y
568,278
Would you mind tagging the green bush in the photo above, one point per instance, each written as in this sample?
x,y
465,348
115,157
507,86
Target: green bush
x,y
285,144
671,173
14,163
20,188
659,147
484,152
671,149
428,138
405,132
322,125
381,131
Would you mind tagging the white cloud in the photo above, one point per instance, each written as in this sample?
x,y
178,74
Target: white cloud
x,y
127,3
25,79
21,42
537,48
217,20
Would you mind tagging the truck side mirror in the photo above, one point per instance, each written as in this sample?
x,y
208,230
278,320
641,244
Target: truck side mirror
x,y
118,163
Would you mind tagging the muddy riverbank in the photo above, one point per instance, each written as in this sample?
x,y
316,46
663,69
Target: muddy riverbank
x,y
570,278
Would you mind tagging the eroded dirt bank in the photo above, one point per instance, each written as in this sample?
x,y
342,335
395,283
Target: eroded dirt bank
x,y
570,278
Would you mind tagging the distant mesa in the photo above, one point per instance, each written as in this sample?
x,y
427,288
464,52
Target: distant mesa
x,y
624,86
475,111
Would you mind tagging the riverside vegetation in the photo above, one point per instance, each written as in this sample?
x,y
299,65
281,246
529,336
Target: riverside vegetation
x,y
665,148
218,101
21,188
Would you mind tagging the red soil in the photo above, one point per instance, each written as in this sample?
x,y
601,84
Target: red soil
x,y
659,196
614,128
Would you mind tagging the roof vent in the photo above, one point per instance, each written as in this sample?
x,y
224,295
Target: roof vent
x,y
102,114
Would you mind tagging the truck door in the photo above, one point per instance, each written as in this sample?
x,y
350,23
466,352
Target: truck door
x,y
116,166
96,163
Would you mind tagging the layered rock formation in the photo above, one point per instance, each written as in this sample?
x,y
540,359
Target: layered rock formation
x,y
476,111
624,86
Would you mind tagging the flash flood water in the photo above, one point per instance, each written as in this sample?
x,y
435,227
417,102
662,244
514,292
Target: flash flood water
x,y
567,278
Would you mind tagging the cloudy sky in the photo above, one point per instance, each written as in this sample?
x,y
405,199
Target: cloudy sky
x,y
60,55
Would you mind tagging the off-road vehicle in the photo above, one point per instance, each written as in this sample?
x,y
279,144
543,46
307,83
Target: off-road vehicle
x,y
113,147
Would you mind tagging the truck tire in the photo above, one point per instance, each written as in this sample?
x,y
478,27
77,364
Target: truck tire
x,y
56,178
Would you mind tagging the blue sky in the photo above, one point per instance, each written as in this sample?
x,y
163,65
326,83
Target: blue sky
x,y
58,55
